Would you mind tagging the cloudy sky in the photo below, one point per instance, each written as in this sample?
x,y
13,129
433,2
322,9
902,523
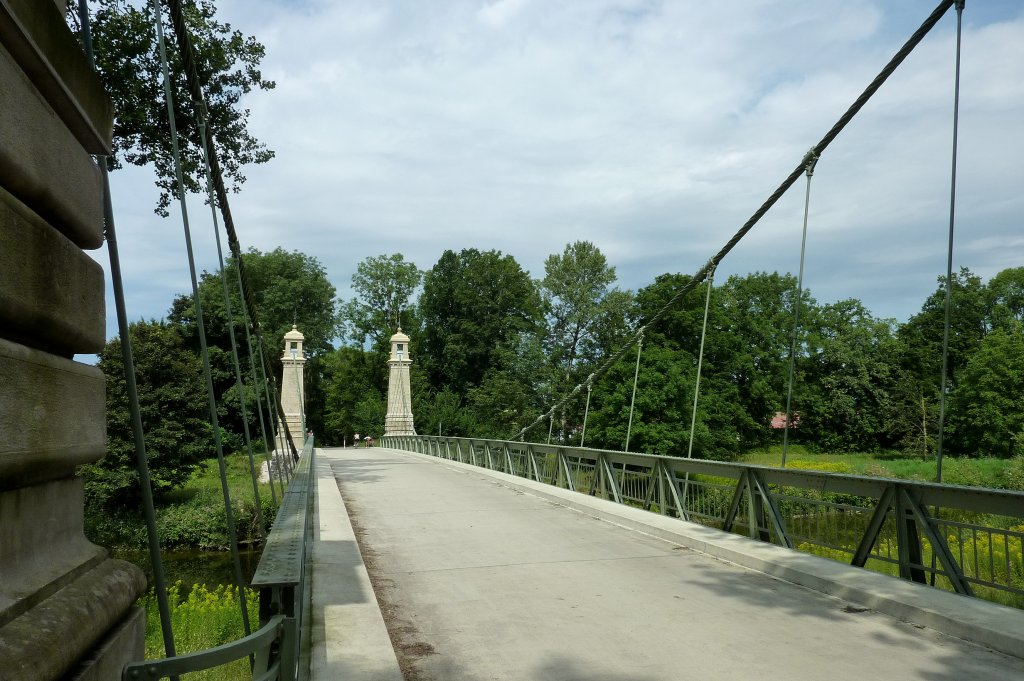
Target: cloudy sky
x,y
652,128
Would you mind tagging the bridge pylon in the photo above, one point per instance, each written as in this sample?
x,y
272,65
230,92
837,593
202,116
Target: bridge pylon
x,y
293,386
399,416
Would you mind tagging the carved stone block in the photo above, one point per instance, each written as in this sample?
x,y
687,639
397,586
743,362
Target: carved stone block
x,y
43,545
43,164
52,415
51,294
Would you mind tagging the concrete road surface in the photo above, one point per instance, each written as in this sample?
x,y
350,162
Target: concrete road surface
x,y
480,581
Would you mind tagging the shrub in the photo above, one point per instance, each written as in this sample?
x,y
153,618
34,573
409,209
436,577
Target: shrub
x,y
201,619
1013,474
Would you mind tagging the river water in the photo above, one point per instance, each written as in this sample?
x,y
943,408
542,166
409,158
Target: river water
x,y
197,567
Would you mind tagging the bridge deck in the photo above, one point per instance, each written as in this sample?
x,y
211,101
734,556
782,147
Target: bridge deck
x,y
480,581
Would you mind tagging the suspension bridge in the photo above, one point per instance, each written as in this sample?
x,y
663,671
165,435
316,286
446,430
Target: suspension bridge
x,y
432,557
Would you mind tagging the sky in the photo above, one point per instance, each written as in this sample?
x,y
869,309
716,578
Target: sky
x,y
652,129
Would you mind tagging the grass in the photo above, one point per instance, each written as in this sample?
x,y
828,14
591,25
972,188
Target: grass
x,y
999,473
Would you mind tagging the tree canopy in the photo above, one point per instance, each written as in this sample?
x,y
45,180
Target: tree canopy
x,y
227,61
472,303
383,286
172,398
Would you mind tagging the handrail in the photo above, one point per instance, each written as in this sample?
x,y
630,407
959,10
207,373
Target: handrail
x,y
895,525
257,642
281,575
281,578
977,499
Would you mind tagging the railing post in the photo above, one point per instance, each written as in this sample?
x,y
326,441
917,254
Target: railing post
x,y
762,492
669,475
532,455
289,644
908,543
563,468
661,489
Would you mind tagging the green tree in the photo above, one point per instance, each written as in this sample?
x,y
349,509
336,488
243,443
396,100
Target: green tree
x,y
175,416
383,286
513,388
986,414
912,417
350,375
667,378
473,302
288,287
1006,297
755,314
922,334
574,285
661,416
369,414
442,413
227,61
849,373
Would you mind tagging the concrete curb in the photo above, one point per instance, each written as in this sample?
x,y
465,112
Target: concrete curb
x,y
995,626
349,638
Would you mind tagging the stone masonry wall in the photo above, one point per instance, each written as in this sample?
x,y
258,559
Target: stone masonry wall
x,y
66,608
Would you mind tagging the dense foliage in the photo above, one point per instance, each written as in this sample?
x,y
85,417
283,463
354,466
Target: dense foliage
x,y
493,349
174,416
227,61
290,287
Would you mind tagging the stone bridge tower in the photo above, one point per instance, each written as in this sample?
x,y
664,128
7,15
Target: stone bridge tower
x,y
293,386
66,607
399,417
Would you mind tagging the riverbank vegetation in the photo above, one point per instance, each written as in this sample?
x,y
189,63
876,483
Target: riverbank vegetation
x,y
202,617
190,517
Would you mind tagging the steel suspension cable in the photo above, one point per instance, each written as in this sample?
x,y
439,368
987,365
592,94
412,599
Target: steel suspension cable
x,y
214,420
586,412
700,364
231,331
632,401
796,310
302,407
185,51
260,392
280,427
696,393
131,388
817,151
949,252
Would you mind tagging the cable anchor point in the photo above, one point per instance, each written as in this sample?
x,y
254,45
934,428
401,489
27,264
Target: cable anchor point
x,y
810,160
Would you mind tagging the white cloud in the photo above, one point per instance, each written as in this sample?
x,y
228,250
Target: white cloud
x,y
499,12
652,128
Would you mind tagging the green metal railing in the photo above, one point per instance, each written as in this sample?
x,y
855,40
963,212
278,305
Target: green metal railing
x,y
282,579
965,539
